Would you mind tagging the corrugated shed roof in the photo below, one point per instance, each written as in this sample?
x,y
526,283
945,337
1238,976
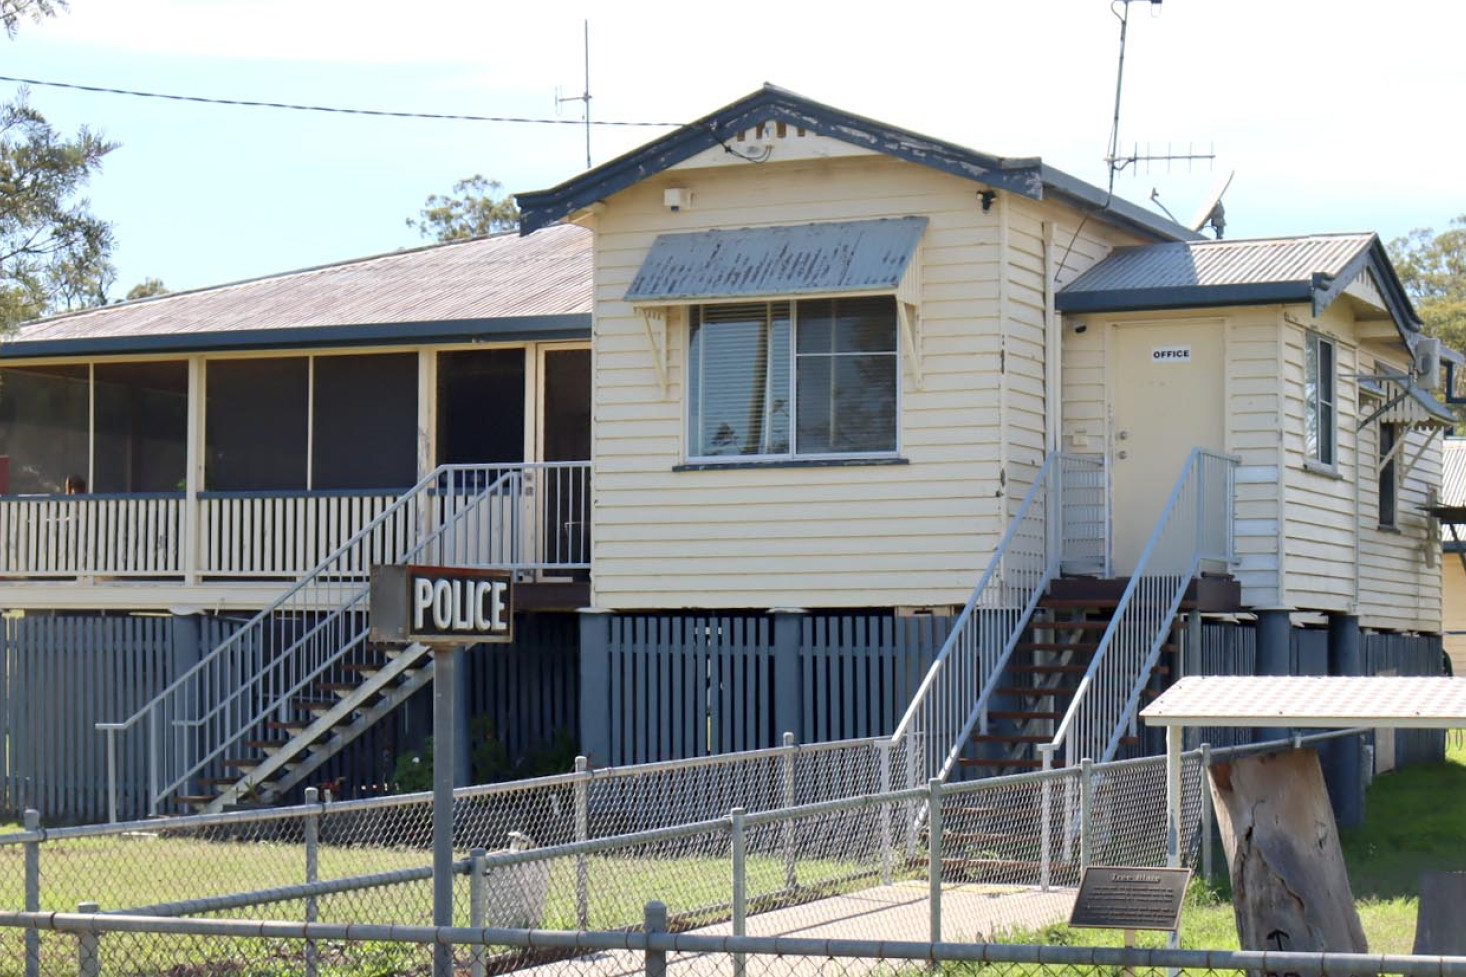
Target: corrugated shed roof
x,y
1216,263
504,276
797,259
1310,702
1453,472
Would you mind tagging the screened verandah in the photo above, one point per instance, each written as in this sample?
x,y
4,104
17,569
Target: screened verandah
x,y
257,468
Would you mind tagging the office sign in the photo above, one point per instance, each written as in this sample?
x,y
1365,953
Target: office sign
x,y
441,605
1171,354
1130,898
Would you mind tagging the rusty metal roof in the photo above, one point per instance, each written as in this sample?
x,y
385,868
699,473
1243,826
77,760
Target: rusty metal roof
x,y
797,259
543,279
1311,702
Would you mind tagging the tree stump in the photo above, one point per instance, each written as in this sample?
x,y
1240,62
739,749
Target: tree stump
x,y
1290,887
1440,919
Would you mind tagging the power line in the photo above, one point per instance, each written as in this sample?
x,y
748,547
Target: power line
x,y
247,103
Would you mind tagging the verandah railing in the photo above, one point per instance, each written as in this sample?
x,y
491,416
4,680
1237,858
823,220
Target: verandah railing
x,y
1195,527
456,515
1062,520
267,535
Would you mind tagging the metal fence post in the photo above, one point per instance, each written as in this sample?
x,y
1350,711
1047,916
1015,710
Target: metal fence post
x,y
32,822
1206,813
312,826
910,805
1045,856
1086,812
934,856
478,908
740,884
654,920
88,946
582,833
111,776
884,752
786,832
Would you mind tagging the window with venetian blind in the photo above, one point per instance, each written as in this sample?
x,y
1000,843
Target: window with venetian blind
x,y
793,379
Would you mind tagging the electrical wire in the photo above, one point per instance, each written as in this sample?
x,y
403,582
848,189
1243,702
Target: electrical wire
x,y
249,103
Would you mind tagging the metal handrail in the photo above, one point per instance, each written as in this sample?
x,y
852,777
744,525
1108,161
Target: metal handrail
x,y
1194,468
416,513
974,659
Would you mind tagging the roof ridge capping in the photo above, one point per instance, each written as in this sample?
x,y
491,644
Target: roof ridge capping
x,y
1027,176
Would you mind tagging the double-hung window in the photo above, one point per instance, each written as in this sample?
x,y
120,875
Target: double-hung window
x,y
1319,418
793,379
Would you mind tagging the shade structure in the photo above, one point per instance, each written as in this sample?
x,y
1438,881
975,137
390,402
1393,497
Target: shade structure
x,y
1332,702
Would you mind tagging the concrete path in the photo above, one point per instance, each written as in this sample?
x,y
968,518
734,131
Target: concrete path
x,y
971,913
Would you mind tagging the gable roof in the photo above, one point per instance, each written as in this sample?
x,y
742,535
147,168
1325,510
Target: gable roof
x,y
1028,176
498,287
1314,268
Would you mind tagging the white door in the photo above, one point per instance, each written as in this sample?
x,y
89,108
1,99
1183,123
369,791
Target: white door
x,y
1168,398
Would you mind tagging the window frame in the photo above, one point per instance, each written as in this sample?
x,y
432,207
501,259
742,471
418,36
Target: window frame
x,y
1388,474
792,457
1315,404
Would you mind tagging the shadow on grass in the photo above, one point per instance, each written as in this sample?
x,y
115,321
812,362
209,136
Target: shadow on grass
x,y
1415,821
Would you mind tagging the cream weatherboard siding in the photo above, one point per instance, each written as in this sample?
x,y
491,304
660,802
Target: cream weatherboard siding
x,y
1390,580
918,533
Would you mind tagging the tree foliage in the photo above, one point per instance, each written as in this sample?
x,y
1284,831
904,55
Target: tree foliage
x,y
12,12
473,210
1432,267
54,253
146,289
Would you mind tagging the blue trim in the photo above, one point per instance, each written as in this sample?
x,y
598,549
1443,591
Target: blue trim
x,y
535,327
715,466
92,496
1026,176
1087,196
1181,297
304,493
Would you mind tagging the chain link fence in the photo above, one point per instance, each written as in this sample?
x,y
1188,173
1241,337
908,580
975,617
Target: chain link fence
x,y
789,840
92,946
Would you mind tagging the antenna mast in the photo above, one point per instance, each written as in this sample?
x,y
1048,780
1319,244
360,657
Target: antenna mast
x,y
1113,159
583,97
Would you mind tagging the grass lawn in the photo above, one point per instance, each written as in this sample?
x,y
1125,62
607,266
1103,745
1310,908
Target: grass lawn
x,y
1415,821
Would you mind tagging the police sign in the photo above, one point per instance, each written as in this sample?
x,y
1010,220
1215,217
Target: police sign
x,y
441,605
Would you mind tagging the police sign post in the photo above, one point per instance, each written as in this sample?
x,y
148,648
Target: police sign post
x,y
444,608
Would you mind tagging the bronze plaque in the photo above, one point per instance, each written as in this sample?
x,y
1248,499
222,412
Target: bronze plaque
x,y
1120,898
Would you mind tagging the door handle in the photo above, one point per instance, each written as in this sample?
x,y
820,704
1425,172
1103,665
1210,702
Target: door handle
x,y
1122,455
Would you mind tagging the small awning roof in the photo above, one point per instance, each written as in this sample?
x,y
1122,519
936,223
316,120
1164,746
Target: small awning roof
x,y
1410,403
767,262
1311,703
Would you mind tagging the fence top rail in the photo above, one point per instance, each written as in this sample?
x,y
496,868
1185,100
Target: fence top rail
x,y
1308,964
322,808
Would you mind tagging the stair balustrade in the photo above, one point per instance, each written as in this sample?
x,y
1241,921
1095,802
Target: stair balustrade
x,y
1062,521
1194,528
502,516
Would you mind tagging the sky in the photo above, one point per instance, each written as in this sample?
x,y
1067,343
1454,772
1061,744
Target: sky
x,y
1336,115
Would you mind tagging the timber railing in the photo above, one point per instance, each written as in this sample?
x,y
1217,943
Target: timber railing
x,y
1194,528
467,515
1061,520
268,535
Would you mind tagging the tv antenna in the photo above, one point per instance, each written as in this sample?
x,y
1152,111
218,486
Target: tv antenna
x,y
1113,159
583,97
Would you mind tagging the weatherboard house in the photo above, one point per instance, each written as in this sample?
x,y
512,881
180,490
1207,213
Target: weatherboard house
x,y
788,421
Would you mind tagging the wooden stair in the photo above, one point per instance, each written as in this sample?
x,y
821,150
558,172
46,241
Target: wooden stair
x,y
1043,674
326,718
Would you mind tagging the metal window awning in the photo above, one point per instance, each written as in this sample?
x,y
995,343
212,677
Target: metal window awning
x,y
830,258
1311,703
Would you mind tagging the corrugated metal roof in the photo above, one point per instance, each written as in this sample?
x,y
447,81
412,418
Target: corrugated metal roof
x,y
1310,703
544,274
799,259
1213,263
1453,472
